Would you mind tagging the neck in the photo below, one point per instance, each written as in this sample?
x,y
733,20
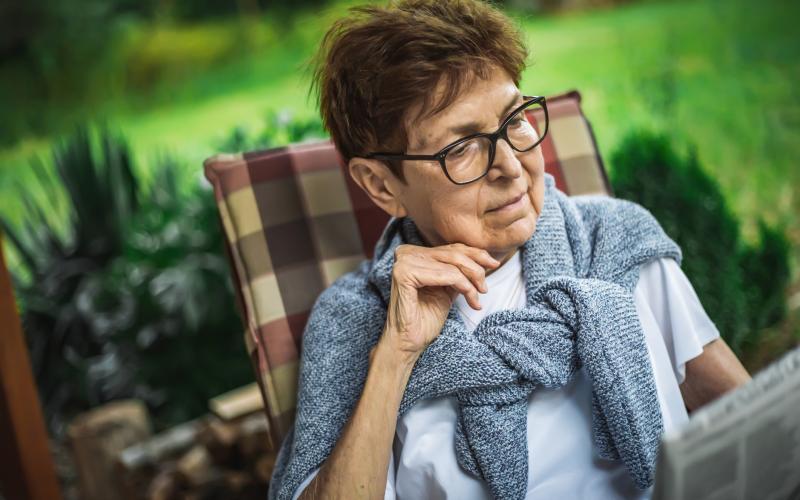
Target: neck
x,y
503,257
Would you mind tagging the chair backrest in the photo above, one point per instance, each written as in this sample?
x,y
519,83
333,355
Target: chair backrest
x,y
295,221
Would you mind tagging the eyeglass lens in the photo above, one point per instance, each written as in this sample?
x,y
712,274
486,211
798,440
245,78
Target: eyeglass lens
x,y
470,159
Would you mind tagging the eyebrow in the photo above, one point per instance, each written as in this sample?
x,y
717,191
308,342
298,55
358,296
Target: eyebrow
x,y
473,126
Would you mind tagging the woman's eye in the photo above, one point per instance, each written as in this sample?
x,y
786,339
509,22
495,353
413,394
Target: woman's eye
x,y
517,120
458,150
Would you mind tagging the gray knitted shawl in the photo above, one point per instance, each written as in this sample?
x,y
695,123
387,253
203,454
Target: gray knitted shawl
x,y
580,268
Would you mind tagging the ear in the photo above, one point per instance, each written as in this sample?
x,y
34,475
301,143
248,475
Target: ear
x,y
380,184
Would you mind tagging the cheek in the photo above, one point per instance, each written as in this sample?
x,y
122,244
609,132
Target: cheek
x,y
454,218
444,214
533,163
534,168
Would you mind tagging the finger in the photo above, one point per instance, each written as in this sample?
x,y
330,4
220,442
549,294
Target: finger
x,y
463,284
471,269
435,273
479,255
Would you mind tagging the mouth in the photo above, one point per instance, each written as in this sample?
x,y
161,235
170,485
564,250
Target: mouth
x,y
510,204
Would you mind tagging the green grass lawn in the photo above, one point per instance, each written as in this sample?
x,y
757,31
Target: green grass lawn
x,y
720,74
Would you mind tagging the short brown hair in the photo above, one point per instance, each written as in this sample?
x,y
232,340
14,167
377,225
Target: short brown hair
x,y
377,62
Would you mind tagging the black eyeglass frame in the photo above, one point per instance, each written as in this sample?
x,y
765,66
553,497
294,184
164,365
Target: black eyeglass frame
x,y
501,132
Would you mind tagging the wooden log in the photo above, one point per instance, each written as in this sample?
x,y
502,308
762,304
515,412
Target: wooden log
x,y
254,438
140,463
264,466
237,482
98,436
237,403
168,444
220,438
165,485
195,465
202,478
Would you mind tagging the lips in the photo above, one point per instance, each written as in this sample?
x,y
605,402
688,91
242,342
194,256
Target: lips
x,y
508,202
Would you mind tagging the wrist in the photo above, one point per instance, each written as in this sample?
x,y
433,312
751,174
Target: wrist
x,y
386,354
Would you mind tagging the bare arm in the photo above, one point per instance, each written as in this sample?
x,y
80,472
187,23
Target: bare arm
x,y
358,465
716,371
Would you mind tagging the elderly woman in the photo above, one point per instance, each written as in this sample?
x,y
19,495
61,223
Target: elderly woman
x,y
505,340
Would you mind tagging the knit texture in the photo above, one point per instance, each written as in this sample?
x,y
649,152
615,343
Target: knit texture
x,y
580,268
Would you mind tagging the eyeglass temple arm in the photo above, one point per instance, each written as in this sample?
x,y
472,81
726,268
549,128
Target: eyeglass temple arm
x,y
394,156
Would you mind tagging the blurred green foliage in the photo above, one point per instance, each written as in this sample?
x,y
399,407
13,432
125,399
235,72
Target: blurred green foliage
x,y
720,74
277,129
742,287
58,58
135,300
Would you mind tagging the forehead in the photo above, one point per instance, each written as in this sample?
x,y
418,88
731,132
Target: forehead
x,y
482,101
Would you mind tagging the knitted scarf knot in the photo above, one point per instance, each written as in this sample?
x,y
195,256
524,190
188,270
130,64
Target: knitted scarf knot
x,y
580,268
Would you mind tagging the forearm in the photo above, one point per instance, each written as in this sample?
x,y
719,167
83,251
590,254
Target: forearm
x,y
358,464
712,374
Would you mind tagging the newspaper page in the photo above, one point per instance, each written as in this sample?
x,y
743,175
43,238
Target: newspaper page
x,y
745,445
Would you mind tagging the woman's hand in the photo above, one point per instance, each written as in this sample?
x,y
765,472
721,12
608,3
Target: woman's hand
x,y
425,281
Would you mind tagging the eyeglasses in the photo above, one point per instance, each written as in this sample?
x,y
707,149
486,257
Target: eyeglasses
x,y
470,158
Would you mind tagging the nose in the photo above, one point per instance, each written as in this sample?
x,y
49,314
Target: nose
x,y
506,163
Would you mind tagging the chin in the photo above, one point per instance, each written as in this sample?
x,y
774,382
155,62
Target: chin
x,y
515,234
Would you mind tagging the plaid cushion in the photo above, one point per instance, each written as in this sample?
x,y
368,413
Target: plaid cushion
x,y
295,221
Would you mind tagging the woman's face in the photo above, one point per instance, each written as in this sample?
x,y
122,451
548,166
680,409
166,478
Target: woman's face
x,y
473,214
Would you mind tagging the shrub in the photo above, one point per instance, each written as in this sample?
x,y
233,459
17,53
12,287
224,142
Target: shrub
x,y
186,338
741,287
278,129
102,194
134,300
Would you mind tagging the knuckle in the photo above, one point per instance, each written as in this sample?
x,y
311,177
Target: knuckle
x,y
458,248
404,253
453,273
475,270
460,259
399,269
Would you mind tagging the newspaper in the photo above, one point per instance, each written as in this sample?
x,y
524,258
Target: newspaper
x,y
745,445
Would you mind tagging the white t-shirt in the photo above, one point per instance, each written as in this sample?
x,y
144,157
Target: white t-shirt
x,y
562,456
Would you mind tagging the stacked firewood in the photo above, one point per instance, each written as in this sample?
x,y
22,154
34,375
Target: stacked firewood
x,y
226,454
205,459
